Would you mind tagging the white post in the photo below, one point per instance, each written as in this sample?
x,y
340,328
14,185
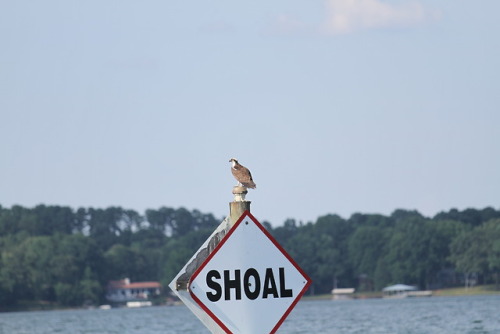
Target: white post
x,y
239,205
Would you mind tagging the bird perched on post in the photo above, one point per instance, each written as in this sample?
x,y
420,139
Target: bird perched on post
x,y
242,174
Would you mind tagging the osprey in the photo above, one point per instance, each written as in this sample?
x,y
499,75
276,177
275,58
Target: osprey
x,y
242,174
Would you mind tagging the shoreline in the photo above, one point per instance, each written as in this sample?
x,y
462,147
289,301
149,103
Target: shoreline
x,y
479,290
448,292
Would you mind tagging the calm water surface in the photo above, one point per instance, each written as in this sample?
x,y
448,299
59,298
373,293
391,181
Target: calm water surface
x,y
435,315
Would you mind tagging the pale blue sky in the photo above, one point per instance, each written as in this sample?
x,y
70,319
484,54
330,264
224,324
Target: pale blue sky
x,y
336,106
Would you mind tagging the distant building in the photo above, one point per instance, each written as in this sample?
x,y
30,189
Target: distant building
x,y
124,291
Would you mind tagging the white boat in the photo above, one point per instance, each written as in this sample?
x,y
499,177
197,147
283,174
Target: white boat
x,y
404,291
341,294
420,293
139,304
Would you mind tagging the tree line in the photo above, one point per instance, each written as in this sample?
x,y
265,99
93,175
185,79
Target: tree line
x,y
66,256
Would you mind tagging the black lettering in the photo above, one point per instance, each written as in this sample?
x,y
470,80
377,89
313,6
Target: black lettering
x,y
214,296
269,284
284,292
246,284
232,284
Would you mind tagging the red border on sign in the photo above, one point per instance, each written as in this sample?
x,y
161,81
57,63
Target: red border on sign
x,y
218,247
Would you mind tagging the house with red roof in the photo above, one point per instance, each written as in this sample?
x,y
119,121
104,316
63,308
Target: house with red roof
x,y
125,291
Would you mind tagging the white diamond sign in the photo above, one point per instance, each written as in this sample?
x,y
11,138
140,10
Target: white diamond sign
x,y
248,284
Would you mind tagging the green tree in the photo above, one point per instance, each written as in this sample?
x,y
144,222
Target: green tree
x,y
161,219
122,262
74,253
469,252
285,232
416,251
104,226
54,219
321,250
91,288
35,256
177,251
366,246
68,294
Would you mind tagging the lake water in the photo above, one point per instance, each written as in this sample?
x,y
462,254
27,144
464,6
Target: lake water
x,y
435,315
